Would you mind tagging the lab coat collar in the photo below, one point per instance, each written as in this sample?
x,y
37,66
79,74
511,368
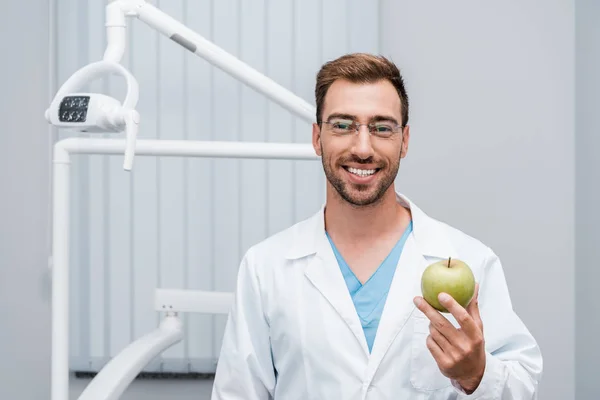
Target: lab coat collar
x,y
428,233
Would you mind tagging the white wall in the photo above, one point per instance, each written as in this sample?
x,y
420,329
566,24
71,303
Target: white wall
x,y
24,160
492,145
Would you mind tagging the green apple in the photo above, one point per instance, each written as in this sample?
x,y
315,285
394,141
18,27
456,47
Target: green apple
x,y
450,276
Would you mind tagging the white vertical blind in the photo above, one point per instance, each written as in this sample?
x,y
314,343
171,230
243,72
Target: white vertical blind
x,y
185,223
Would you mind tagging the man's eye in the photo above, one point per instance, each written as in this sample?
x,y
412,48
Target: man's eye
x,y
383,128
341,125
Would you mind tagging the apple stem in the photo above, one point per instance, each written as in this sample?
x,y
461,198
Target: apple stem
x,y
449,258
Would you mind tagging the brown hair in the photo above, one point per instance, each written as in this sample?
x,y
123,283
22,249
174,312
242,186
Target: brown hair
x,y
359,68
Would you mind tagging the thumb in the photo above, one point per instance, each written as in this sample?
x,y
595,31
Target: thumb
x,y
473,308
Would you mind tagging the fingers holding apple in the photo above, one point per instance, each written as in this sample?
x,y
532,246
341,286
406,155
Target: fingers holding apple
x,y
449,286
458,352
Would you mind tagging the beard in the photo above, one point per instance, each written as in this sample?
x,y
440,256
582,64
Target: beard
x,y
358,194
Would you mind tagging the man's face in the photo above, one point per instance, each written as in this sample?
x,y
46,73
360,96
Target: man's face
x,y
361,167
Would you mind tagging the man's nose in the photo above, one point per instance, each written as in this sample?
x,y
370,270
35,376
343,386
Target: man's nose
x,y
362,146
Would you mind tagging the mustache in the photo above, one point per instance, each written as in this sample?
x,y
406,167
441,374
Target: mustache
x,y
358,160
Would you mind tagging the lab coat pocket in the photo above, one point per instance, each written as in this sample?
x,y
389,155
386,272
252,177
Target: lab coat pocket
x,y
424,372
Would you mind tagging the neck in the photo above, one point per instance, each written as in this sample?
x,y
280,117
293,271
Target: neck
x,y
358,223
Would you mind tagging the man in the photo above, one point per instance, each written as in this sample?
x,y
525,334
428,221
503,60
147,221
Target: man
x,y
330,308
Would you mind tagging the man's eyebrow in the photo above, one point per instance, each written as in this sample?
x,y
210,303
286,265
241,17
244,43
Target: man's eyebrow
x,y
376,118
341,116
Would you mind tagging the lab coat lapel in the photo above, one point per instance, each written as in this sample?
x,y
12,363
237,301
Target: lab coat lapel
x,y
324,273
399,304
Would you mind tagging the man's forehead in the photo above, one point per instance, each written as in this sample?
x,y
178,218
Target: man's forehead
x,y
363,100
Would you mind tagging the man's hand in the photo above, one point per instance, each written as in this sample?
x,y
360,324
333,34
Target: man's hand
x,y
459,353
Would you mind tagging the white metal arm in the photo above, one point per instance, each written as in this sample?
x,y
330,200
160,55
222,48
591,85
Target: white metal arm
x,y
123,368
117,375
192,41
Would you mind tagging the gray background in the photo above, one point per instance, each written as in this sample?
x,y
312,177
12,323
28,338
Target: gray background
x,y
493,148
24,174
502,101
587,314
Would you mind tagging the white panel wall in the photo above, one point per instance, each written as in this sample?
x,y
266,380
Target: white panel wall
x,y
185,223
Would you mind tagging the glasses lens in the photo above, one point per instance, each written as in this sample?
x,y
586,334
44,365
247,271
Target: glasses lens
x,y
383,127
342,126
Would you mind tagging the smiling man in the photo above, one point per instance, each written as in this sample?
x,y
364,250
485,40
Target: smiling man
x,y
330,308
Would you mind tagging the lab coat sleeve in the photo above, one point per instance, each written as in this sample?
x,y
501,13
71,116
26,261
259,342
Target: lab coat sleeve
x,y
513,359
245,368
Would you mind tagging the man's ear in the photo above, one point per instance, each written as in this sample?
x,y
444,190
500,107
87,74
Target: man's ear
x,y
405,140
316,138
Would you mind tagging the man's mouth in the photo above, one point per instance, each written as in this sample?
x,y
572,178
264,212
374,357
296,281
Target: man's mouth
x,y
361,172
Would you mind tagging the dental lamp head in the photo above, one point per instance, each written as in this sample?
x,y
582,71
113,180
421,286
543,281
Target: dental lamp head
x,y
95,112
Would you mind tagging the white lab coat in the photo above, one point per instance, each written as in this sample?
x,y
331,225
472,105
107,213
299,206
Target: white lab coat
x,y
293,332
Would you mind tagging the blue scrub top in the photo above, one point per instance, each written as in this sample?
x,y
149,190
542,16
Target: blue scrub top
x,y
370,298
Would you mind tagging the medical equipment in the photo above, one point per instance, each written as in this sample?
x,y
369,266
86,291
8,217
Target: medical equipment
x,y
95,112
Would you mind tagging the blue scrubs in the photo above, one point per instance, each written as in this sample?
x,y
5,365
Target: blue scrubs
x,y
369,298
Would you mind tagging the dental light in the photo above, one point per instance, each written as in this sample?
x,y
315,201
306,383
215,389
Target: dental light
x,y
95,112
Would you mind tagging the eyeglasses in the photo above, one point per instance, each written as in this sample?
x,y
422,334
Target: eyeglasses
x,y
344,127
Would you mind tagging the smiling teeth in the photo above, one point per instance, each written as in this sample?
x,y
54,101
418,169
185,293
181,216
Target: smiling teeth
x,y
361,172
